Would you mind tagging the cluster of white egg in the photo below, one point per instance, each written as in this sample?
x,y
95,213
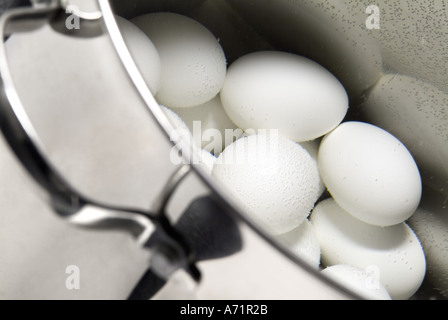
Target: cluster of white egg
x,y
295,146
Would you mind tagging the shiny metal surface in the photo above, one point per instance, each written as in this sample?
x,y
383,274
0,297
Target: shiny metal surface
x,y
31,146
25,141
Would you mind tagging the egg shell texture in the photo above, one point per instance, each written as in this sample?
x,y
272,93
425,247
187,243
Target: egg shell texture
x,y
193,62
273,178
370,173
395,251
284,91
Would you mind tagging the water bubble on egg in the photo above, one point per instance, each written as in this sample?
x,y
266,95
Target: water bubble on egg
x,y
284,91
313,149
303,242
260,170
193,62
370,173
394,251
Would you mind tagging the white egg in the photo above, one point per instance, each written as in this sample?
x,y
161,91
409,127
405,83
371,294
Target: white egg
x,y
193,62
332,33
358,281
279,90
313,149
430,223
303,242
393,253
211,127
370,173
143,52
273,178
415,112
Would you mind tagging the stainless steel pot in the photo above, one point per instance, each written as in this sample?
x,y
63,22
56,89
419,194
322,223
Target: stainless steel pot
x,y
78,115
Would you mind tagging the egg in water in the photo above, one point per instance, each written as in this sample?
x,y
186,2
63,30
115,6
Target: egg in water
x,y
363,283
193,62
284,91
370,173
143,52
394,252
273,178
303,242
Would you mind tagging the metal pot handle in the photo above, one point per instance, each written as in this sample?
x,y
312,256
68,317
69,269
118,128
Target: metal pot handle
x,y
65,200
